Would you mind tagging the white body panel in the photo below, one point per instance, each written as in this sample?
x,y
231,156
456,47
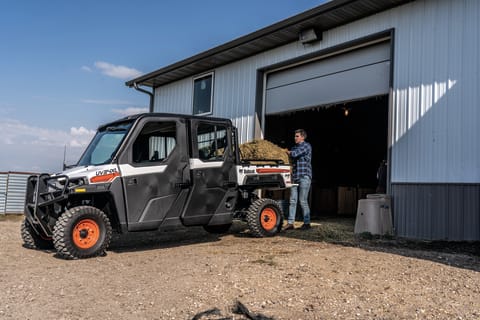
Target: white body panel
x,y
243,172
89,172
127,170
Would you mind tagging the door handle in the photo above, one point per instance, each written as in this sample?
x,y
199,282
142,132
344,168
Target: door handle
x,y
230,184
183,185
132,182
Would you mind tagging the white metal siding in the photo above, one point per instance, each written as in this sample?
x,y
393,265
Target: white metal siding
x,y
435,113
175,97
234,96
435,133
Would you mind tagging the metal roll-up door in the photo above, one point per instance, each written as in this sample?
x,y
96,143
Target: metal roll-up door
x,y
353,75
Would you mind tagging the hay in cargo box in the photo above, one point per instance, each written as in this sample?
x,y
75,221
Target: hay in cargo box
x,y
261,150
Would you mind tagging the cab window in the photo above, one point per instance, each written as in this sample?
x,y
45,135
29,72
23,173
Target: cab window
x,y
211,142
155,142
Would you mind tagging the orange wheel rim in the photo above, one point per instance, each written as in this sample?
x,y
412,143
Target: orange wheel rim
x,y
86,234
268,218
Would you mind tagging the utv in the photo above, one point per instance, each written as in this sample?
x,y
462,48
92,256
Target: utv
x,y
146,172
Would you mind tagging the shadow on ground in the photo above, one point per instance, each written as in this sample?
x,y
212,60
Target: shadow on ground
x,y
161,239
334,230
339,231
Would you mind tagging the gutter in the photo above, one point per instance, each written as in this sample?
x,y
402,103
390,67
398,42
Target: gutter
x,y
135,85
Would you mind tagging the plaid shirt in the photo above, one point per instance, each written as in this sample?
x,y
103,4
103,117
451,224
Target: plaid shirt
x,y
301,155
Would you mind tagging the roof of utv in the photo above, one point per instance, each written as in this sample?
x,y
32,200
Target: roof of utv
x,y
139,116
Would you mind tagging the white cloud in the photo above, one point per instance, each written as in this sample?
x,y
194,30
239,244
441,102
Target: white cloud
x,y
77,143
120,72
80,137
88,69
16,132
25,147
82,131
130,111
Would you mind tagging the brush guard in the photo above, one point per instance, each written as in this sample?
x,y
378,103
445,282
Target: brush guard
x,y
44,201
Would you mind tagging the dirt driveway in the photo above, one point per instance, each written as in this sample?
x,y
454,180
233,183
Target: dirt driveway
x,y
321,273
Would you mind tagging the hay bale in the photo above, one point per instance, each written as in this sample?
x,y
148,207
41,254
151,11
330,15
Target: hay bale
x,y
262,149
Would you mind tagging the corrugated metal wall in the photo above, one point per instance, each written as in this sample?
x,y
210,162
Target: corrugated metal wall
x,y
437,211
175,97
3,191
435,134
12,192
435,137
228,102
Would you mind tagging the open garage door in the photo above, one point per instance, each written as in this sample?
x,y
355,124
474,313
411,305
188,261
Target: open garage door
x,y
342,103
349,141
357,74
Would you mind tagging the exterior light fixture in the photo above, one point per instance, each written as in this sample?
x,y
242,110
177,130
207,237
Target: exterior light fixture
x,y
309,35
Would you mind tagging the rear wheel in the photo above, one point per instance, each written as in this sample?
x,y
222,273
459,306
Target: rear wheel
x,y
218,229
33,240
264,218
82,232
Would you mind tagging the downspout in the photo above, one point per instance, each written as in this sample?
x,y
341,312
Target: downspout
x,y
135,85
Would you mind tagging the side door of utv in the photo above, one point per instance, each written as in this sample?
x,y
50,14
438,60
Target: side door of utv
x,y
212,168
155,173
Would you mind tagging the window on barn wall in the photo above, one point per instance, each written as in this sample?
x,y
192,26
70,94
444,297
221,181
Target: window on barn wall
x,y
203,94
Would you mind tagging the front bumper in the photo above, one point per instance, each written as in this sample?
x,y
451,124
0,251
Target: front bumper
x,y
45,200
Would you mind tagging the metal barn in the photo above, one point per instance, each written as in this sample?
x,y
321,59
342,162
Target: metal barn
x,y
369,80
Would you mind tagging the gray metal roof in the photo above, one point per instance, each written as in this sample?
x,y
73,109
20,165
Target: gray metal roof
x,y
324,17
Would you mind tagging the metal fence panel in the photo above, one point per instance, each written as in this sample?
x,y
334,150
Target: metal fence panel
x,y
16,190
3,191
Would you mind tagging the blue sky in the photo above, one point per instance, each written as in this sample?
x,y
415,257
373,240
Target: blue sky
x,y
64,64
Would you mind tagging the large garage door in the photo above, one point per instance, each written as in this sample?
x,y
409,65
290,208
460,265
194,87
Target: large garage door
x,y
357,74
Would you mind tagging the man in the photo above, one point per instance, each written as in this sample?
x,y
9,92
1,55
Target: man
x,y
301,155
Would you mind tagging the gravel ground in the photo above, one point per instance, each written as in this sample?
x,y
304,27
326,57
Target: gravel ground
x,y
322,273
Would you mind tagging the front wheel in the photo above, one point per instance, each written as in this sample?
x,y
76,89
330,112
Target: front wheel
x,y
82,232
264,218
33,240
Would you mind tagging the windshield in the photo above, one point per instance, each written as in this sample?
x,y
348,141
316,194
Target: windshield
x,y
104,145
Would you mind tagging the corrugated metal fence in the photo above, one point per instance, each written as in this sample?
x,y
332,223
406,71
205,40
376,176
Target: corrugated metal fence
x,y
12,191
3,191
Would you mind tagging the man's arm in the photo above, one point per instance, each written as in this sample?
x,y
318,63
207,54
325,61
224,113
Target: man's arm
x,y
299,150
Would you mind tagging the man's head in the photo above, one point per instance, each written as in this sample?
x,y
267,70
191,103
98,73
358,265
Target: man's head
x,y
300,135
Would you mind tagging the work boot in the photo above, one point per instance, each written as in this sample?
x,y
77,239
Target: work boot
x,y
305,226
288,227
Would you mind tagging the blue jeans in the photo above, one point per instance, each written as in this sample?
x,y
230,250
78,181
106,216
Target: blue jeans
x,y
300,193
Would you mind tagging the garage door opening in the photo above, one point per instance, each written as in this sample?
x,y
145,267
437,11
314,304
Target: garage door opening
x,y
349,142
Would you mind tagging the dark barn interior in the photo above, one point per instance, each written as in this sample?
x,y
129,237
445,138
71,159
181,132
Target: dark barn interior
x,y
349,141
